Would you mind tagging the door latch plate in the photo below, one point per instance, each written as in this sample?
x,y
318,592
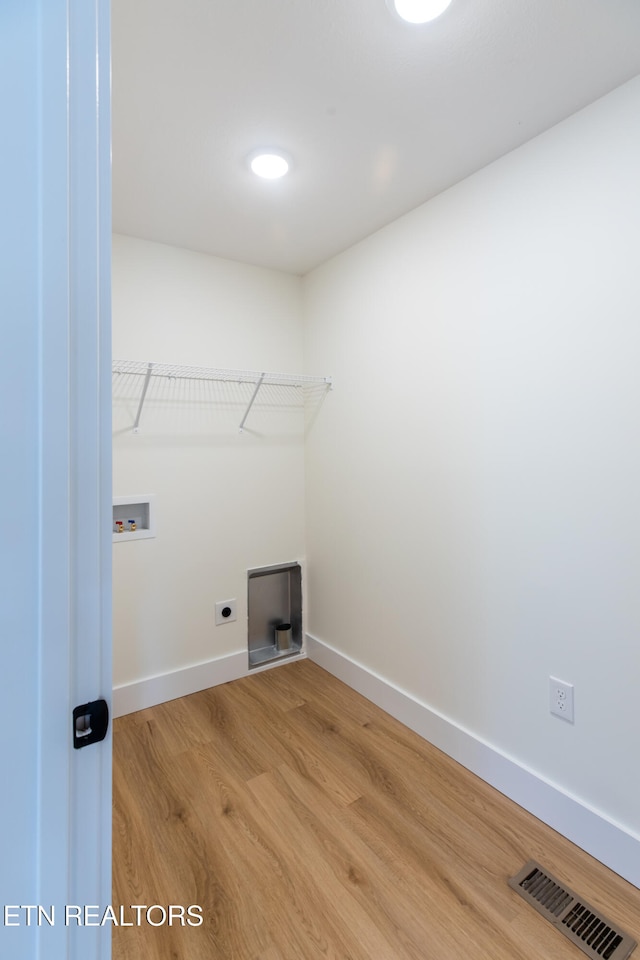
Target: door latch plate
x,y
90,723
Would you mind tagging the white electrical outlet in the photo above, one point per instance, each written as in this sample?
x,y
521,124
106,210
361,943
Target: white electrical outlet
x,y
561,699
226,611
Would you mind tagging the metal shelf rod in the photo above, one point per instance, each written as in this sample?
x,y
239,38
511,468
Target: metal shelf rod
x,y
136,425
253,396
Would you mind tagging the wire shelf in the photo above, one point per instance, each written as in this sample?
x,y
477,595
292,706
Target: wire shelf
x,y
172,371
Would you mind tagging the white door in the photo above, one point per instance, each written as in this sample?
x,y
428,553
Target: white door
x,y
55,474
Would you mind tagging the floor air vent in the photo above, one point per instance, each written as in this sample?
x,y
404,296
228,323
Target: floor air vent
x,y
582,924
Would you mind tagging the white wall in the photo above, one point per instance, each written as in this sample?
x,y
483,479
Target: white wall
x,y
472,482
225,501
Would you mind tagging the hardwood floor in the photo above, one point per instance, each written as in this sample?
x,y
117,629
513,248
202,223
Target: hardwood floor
x,y
309,824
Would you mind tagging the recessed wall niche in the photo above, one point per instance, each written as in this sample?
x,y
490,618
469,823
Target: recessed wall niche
x,y
133,518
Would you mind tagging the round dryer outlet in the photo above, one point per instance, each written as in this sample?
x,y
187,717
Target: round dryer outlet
x,y
226,611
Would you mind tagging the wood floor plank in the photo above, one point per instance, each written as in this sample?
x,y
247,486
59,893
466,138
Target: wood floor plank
x,y
315,685
270,954
278,687
510,830
416,902
297,832
182,861
384,888
283,904
283,740
310,825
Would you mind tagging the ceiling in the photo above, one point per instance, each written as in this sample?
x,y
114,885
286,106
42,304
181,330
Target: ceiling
x,y
377,115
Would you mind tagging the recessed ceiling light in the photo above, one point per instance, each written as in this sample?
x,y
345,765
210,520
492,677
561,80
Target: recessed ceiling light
x,y
269,165
419,11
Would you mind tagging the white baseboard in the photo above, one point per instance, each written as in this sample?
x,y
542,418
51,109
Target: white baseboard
x,y
130,697
588,829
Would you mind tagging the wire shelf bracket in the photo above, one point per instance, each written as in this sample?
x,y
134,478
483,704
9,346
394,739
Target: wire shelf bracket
x,y
145,387
147,370
253,397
